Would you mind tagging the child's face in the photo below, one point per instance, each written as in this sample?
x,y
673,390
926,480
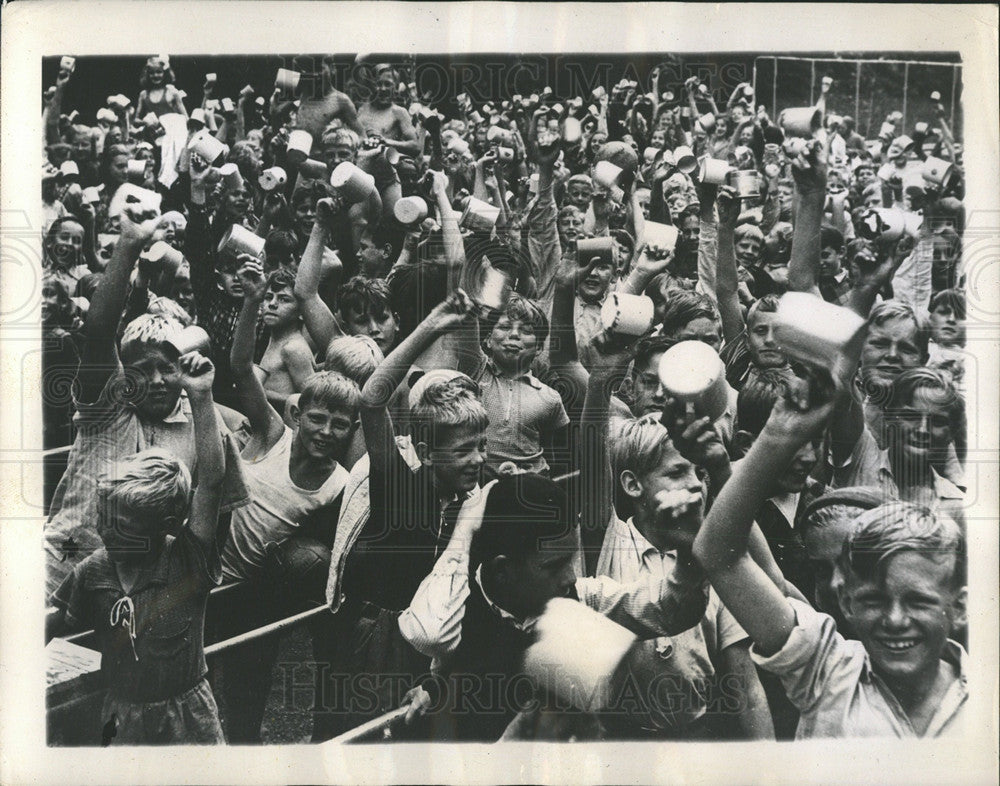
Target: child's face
x,y
823,545
830,260
764,350
67,245
155,74
946,327
921,429
183,293
864,175
890,349
905,618
162,380
785,196
703,329
336,153
119,169
659,139
531,581
236,201
83,148
51,310
457,457
593,287
371,257
280,308
325,433
512,343
305,215
128,538
648,395
381,327
570,226
579,195
643,196
793,479
748,250
229,281
675,473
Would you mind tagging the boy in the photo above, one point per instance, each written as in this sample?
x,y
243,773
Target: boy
x,y
394,527
125,403
288,359
647,468
513,551
904,591
833,281
145,590
527,420
296,478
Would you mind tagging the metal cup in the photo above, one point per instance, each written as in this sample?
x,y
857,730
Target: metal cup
x,y
601,247
142,199
706,122
801,121
500,135
240,240
272,178
819,334
136,170
70,169
198,116
489,287
627,315
190,339
164,256
228,105
299,144
888,224
505,154
745,181
287,79
660,235
207,146
714,171
685,159
693,372
91,195
210,79
67,63
231,176
572,132
649,154
106,115
887,129
410,210
353,184
479,216
937,171
313,169
606,174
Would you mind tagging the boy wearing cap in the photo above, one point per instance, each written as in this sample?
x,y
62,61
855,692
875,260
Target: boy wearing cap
x,y
124,404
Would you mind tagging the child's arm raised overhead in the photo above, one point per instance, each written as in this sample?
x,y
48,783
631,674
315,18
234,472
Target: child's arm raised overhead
x,y
726,278
100,356
265,423
809,171
722,544
319,320
197,375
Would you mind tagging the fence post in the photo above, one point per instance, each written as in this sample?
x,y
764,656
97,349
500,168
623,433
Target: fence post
x,y
954,84
812,81
906,89
857,95
774,91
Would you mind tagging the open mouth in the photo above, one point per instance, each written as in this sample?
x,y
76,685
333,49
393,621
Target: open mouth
x,y
899,645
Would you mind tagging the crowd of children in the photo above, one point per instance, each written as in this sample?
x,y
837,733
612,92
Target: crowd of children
x,y
415,364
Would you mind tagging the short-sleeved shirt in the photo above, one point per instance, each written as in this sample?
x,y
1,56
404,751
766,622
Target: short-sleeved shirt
x,y
831,681
681,665
587,320
109,431
522,411
169,618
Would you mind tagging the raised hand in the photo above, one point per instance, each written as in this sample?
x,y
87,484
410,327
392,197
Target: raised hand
x,y
653,259
453,312
252,278
728,202
197,373
803,412
695,438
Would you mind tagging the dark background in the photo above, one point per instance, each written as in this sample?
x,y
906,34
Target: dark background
x,y
869,92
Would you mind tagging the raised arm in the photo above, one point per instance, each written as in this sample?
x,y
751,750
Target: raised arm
x,y
100,356
197,375
722,544
809,171
265,422
319,319
726,278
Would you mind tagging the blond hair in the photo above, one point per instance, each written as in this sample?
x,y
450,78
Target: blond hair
x,y
152,483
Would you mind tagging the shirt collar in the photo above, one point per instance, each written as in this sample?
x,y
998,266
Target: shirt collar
x,y
104,575
643,547
525,375
522,625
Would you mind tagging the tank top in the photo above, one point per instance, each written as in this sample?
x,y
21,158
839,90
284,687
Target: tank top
x,y
276,507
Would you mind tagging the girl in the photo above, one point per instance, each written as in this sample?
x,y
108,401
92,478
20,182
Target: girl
x,y
158,92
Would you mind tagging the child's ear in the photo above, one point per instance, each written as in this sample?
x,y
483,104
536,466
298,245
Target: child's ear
x,y
630,483
742,441
293,410
424,453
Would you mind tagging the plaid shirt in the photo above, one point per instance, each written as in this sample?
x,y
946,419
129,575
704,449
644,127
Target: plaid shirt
x,y
836,289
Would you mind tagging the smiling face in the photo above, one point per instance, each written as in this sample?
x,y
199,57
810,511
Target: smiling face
x,y
905,616
236,201
593,288
890,349
118,170
831,261
674,473
66,246
323,433
648,394
794,478
456,458
155,74
920,430
570,226
579,194
824,544
512,344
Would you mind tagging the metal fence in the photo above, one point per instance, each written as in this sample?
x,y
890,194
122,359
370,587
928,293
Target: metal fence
x,y
868,90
